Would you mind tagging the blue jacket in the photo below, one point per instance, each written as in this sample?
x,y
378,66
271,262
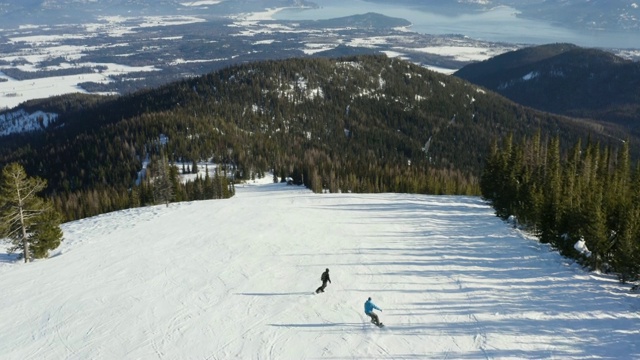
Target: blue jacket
x,y
369,306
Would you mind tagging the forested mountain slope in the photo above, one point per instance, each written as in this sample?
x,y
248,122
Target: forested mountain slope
x,y
565,79
361,124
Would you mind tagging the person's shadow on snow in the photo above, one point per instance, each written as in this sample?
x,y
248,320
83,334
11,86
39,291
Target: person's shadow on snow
x,y
320,325
8,258
274,294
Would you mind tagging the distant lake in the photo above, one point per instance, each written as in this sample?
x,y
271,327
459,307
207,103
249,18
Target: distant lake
x,y
497,25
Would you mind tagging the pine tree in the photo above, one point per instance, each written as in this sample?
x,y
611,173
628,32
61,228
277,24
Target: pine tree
x,y
27,220
163,191
595,231
45,233
571,201
209,190
551,207
176,186
495,178
626,259
619,190
134,197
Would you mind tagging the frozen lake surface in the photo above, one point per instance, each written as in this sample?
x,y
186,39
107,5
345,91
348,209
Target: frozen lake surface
x,y
500,24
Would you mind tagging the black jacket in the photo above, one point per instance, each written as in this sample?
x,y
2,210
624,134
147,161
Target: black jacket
x,y
325,277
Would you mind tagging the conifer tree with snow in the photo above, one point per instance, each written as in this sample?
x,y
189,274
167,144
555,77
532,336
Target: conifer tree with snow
x,y
26,220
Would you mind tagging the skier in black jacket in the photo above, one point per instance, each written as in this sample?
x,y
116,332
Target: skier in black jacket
x,y
325,278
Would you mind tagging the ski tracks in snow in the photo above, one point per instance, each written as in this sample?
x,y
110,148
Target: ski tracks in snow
x,y
273,342
480,337
207,281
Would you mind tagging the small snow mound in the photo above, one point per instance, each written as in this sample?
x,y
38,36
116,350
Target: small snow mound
x,y
581,247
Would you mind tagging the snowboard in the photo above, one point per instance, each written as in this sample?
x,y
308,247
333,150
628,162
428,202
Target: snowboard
x,y
381,325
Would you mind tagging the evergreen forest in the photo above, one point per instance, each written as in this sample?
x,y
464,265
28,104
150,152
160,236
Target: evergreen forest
x,y
351,124
588,195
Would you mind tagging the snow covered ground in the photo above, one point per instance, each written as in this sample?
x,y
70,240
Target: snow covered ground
x,y
234,279
44,47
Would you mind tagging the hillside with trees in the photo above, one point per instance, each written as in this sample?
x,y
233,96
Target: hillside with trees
x,y
350,124
565,79
589,195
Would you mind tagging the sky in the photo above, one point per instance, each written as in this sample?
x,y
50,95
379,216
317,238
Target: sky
x,y
235,279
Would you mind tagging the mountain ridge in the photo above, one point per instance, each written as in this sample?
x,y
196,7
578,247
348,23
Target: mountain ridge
x,y
359,124
564,79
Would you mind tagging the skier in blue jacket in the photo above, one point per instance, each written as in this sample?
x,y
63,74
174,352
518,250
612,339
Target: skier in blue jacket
x,y
368,309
